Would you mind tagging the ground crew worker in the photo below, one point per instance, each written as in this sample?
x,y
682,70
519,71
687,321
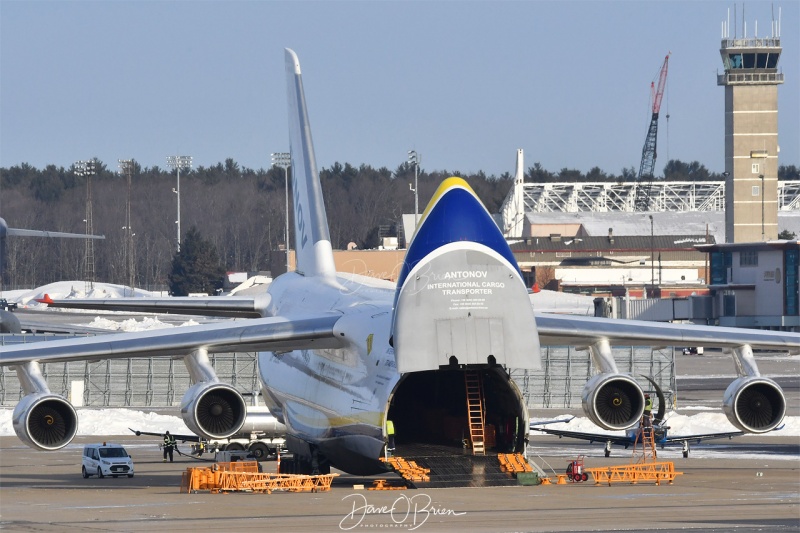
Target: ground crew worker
x,y
648,411
169,446
390,435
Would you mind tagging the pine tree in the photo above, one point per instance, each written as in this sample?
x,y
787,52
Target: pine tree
x,y
196,268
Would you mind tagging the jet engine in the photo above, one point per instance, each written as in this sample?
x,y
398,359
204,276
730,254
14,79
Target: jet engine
x,y
45,421
613,401
754,404
213,409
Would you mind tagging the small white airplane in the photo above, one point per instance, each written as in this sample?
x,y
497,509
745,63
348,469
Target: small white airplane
x,y
661,436
340,355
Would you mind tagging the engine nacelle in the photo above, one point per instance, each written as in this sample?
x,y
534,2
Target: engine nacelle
x,y
213,410
45,421
754,404
613,401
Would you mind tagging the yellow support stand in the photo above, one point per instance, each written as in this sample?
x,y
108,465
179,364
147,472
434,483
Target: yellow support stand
x,y
643,467
634,473
408,469
241,477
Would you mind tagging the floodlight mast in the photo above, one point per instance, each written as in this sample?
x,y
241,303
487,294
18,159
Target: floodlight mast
x,y
126,167
414,158
179,162
284,160
87,169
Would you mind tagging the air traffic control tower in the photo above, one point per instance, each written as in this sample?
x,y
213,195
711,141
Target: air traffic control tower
x,y
751,80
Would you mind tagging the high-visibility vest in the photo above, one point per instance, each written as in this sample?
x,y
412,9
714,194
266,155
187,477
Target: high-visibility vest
x,y
648,405
389,427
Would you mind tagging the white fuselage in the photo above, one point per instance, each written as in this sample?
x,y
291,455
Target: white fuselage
x,y
335,399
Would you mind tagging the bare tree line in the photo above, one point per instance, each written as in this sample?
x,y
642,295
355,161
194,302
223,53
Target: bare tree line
x,y
241,211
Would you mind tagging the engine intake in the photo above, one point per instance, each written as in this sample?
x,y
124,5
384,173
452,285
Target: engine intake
x,y
214,410
45,421
613,401
754,404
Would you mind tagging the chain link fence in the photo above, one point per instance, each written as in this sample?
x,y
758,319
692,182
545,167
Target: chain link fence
x,y
161,382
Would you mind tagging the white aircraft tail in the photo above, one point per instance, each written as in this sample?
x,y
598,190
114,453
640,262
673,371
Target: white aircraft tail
x,y
312,241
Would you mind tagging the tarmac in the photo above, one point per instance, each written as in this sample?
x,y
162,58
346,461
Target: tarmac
x,y
748,484
44,491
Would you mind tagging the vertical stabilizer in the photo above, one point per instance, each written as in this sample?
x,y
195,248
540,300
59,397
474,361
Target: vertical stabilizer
x,y
312,241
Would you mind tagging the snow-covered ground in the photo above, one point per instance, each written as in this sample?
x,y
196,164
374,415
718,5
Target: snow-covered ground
x,y
73,289
679,424
63,290
116,421
112,421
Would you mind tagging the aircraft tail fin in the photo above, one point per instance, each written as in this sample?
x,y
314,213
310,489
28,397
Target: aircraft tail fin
x,y
312,238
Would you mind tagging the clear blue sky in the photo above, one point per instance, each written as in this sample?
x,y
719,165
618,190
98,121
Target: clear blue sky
x,y
463,83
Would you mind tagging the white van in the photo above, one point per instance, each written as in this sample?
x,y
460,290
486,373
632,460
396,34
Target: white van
x,y
106,460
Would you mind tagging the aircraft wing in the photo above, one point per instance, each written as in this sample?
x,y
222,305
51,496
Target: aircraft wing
x,y
551,421
622,440
573,330
182,438
259,334
697,439
222,306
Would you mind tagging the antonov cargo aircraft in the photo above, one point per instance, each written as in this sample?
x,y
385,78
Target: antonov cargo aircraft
x,y
339,356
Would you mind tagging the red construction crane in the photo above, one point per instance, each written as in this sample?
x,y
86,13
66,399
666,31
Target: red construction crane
x,y
645,178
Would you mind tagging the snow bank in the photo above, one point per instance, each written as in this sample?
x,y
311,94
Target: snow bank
x,y
679,424
116,421
74,289
111,422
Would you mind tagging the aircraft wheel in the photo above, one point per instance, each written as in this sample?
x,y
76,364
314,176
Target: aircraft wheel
x,y
608,453
685,454
100,473
84,473
259,451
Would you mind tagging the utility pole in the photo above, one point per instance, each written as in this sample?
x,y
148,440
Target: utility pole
x,y
126,168
87,169
284,160
178,162
414,159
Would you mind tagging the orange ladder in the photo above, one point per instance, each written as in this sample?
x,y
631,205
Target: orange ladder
x,y
646,439
475,411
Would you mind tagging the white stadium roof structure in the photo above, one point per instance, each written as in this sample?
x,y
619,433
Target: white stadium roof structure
x,y
613,197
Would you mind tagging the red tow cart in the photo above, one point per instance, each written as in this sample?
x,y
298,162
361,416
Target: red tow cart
x,y
575,471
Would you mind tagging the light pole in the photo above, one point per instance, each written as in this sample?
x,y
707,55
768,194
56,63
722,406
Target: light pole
x,y
178,162
284,160
652,272
414,159
87,168
127,167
